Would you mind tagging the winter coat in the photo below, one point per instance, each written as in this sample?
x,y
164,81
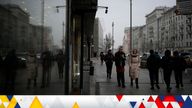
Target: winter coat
x,y
167,63
120,61
134,63
153,61
60,60
109,58
32,67
179,64
120,58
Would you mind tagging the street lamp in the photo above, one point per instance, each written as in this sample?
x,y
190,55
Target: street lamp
x,y
130,25
42,24
112,37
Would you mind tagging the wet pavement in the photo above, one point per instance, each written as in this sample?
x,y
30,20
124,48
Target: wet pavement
x,y
104,86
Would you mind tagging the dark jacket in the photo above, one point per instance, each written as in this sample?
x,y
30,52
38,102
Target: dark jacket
x,y
120,58
61,59
179,63
109,58
153,61
167,63
46,59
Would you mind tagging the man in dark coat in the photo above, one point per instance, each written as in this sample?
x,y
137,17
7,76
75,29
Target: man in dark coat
x,y
109,63
120,63
11,66
178,67
166,64
60,62
153,64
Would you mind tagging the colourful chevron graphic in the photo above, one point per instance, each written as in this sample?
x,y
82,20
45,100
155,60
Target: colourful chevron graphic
x,y
8,102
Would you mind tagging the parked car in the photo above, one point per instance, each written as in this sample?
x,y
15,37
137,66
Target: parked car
x,y
22,59
188,58
22,62
143,63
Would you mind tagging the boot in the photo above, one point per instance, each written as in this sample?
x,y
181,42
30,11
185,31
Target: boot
x,y
136,82
131,82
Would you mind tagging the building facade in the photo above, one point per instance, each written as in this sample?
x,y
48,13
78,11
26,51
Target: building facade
x,y
175,31
152,26
17,33
126,40
97,37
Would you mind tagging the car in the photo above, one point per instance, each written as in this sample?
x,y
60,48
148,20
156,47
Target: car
x,y
143,63
188,58
22,62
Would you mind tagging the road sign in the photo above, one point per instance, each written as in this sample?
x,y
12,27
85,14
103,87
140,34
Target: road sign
x,y
184,7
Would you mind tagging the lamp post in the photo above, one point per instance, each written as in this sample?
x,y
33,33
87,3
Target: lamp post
x,y
130,25
42,24
112,37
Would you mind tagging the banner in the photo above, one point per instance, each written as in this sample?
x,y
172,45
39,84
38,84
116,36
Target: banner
x,y
104,101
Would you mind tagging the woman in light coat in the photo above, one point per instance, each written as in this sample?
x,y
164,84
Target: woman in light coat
x,y
134,63
32,69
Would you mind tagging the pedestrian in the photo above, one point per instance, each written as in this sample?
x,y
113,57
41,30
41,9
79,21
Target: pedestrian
x,y
153,65
120,63
166,64
11,66
46,65
102,57
134,62
109,58
178,68
60,62
32,69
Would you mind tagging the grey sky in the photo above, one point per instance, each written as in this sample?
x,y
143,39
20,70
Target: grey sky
x,y
119,11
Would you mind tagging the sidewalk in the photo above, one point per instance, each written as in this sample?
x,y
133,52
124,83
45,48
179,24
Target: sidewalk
x,y
104,86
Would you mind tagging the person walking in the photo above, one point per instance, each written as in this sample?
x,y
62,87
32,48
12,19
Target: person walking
x,y
11,66
32,69
153,64
109,58
134,62
46,65
120,63
102,57
167,64
60,62
178,68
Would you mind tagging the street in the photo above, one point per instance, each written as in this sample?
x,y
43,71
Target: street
x,y
106,86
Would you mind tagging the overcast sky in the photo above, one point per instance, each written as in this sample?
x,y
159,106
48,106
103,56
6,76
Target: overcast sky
x,y
119,12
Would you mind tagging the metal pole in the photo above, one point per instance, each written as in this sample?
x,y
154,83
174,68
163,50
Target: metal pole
x,y
112,37
42,24
67,62
130,25
63,36
82,51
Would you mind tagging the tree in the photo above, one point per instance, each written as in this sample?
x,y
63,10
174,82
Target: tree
x,y
108,41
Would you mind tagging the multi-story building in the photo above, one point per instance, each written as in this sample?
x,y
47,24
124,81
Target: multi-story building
x,y
143,40
14,29
97,37
22,27
175,31
126,40
17,33
7,22
152,26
